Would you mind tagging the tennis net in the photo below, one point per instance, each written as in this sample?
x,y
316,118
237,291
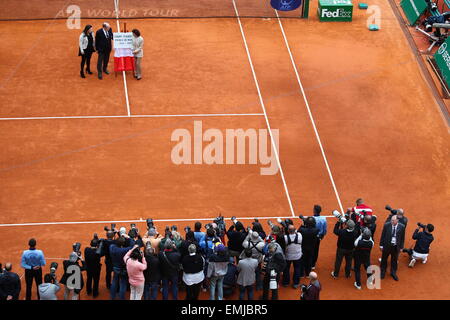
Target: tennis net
x,y
14,10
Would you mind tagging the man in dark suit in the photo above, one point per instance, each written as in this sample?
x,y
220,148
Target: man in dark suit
x,y
391,243
103,46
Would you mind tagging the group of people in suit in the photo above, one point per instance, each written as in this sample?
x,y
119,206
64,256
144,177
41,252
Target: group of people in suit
x,y
101,43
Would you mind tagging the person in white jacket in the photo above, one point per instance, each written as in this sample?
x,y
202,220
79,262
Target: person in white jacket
x,y
138,52
86,47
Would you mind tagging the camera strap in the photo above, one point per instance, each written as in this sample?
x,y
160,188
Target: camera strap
x,y
253,246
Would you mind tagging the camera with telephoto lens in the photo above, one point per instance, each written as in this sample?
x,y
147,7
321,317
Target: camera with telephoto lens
x,y
150,224
303,287
77,248
53,268
393,211
100,244
221,226
421,225
341,218
134,232
113,228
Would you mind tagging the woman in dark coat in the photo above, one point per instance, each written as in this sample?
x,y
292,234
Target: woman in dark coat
x,y
86,48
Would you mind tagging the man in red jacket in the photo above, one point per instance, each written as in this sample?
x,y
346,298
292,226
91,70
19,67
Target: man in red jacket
x,y
360,211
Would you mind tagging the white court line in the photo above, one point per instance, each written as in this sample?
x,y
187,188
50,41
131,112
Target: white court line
x,y
133,221
138,116
310,114
274,146
116,6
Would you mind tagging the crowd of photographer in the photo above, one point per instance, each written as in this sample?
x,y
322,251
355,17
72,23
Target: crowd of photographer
x,y
218,259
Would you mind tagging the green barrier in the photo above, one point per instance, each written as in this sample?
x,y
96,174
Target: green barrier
x,y
413,9
442,58
335,10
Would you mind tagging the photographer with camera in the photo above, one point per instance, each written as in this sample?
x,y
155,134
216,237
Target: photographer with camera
x,y
152,274
363,247
293,254
154,238
216,271
345,230
170,260
370,223
255,244
136,266
277,235
246,278
32,261
92,256
236,235
104,246
400,213
310,237
190,239
274,263
118,250
172,234
10,285
49,288
321,224
423,239
311,291
193,274
360,211
72,278
391,243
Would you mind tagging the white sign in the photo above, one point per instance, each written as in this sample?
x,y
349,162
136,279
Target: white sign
x,y
123,40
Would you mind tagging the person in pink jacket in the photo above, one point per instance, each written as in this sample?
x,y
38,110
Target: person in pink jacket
x,y
135,270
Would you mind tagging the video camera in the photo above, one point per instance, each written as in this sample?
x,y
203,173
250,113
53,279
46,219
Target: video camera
x,y
113,228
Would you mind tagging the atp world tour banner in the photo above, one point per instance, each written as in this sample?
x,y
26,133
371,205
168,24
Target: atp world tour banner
x,y
285,5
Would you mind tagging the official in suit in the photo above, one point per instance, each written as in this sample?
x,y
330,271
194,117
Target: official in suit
x,y
391,243
103,38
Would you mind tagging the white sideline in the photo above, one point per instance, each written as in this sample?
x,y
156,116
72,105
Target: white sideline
x,y
275,150
310,114
116,7
138,116
133,221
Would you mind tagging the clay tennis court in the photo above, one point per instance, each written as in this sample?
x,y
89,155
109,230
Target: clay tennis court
x,y
359,120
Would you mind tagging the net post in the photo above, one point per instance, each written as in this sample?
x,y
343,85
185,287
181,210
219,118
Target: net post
x,y
305,9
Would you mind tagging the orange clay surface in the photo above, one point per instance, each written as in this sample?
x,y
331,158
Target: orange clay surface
x,y
382,132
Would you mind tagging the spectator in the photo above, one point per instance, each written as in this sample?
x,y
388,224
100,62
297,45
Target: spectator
x,y
93,267
310,237
154,238
391,243
363,247
293,254
49,288
321,224
193,275
9,284
73,278
105,252
152,274
400,213
274,264
190,239
360,211
32,261
422,247
169,259
229,282
311,291
217,269
135,271
254,243
236,235
246,278
346,243
118,250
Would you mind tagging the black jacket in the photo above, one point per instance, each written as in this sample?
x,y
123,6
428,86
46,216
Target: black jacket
x,y
92,259
235,240
309,238
276,262
101,43
386,236
170,263
9,285
362,250
193,264
346,239
423,241
153,271
185,245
